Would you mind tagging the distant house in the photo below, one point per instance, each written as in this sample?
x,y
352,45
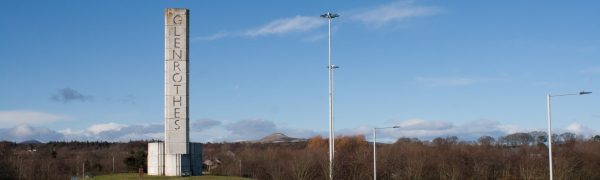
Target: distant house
x,y
209,165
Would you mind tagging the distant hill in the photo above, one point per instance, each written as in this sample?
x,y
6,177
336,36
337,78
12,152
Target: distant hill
x,y
279,138
31,141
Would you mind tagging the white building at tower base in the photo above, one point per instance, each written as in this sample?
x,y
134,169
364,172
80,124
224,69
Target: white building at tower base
x,y
161,164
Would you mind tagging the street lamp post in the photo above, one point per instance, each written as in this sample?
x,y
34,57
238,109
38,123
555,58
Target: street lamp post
x,y
375,150
329,16
550,126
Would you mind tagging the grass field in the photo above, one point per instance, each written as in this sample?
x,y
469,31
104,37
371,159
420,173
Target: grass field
x,y
135,176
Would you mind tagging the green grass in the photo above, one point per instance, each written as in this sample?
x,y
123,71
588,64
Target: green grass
x,y
135,176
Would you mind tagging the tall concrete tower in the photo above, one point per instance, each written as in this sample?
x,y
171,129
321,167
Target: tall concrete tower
x,y
176,81
176,156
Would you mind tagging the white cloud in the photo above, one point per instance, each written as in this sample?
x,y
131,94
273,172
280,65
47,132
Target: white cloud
x,y
98,128
70,132
12,118
445,81
581,129
275,27
393,12
384,14
286,25
24,132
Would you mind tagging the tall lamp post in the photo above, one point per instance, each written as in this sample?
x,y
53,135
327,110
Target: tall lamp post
x,y
375,149
550,126
329,16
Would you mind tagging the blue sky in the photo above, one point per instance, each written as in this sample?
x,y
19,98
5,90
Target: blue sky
x,y
94,69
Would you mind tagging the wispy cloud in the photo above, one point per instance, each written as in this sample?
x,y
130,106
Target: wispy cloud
x,y
287,25
275,27
66,95
379,15
15,117
445,81
394,12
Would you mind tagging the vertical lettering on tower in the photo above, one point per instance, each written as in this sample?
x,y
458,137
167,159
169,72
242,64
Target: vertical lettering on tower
x,y
176,81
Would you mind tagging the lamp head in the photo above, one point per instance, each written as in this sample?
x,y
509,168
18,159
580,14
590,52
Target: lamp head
x,y
330,15
395,126
584,93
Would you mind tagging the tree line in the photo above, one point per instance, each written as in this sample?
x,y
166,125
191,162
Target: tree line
x,y
63,160
514,156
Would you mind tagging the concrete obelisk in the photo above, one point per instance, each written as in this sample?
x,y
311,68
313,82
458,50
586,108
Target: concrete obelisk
x,y
176,91
176,156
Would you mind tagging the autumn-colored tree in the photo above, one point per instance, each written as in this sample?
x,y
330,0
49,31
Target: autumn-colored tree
x,y
318,142
352,158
